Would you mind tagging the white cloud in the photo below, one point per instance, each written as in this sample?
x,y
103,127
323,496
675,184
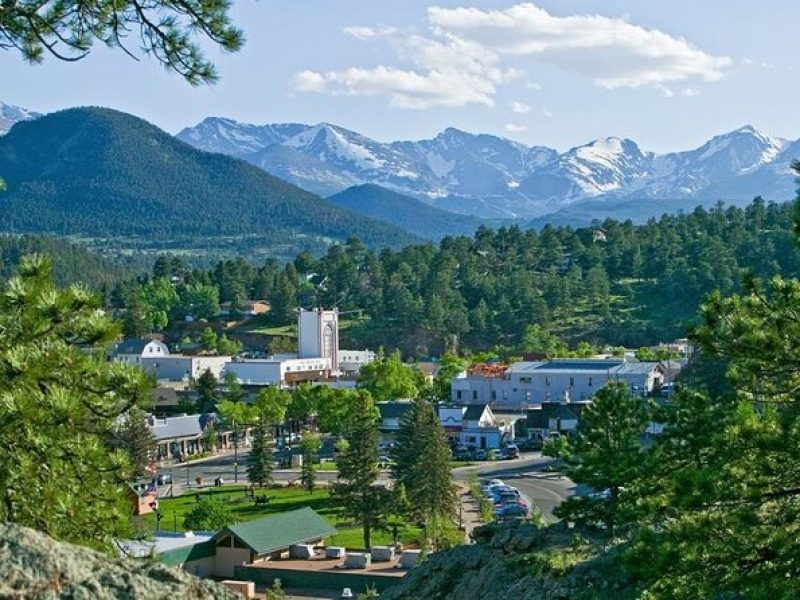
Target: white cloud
x,y
514,128
612,52
442,72
465,57
532,85
519,107
689,92
547,114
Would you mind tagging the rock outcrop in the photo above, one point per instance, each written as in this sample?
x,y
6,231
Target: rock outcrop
x,y
520,561
35,566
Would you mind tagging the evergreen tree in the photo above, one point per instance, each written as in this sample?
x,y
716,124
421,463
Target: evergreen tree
x,y
267,411
61,402
228,347
422,463
310,445
355,489
137,439
173,34
208,339
606,455
206,389
233,388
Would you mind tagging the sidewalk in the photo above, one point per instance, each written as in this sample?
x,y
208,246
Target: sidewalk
x,y
470,511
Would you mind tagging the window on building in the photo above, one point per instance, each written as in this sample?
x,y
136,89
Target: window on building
x,y
590,382
458,394
571,382
474,394
494,394
524,379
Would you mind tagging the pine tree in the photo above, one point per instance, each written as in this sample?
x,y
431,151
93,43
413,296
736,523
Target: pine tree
x,y
137,439
61,402
267,411
207,394
606,455
310,445
355,489
422,463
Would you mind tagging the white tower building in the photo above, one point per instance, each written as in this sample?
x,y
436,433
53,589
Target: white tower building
x,y
318,335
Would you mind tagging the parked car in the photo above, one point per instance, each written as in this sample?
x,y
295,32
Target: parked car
x,y
533,443
461,454
511,451
164,479
511,511
479,454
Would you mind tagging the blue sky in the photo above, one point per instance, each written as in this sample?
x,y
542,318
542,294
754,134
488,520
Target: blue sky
x,y
551,72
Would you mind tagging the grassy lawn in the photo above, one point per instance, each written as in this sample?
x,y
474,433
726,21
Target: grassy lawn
x,y
280,500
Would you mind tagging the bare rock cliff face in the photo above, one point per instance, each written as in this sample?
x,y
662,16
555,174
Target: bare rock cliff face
x,y
34,566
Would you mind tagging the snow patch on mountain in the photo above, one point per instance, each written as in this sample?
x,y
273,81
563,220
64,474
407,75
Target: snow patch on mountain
x,y
10,114
490,176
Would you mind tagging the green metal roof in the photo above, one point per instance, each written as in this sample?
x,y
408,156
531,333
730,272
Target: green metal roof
x,y
274,533
179,556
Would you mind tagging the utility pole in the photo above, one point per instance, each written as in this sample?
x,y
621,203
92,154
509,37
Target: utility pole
x,y
235,454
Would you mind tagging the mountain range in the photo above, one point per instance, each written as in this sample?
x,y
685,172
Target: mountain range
x,y
493,177
456,181
99,173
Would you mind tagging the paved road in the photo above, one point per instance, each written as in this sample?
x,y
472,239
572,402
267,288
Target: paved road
x,y
546,489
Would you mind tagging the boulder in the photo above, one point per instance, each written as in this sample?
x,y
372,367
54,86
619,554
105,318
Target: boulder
x,y
33,565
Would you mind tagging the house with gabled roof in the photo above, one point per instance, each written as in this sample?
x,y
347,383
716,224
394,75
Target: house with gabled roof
x,y
133,351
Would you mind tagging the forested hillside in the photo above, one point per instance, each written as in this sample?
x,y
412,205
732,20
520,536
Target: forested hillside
x,y
616,283
406,212
101,173
72,263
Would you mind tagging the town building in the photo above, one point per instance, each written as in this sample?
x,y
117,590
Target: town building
x,y
180,367
279,371
555,416
250,543
318,360
351,361
526,384
467,425
181,436
143,499
134,351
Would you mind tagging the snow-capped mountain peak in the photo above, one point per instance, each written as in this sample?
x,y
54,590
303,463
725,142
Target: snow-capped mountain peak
x,y
491,176
10,114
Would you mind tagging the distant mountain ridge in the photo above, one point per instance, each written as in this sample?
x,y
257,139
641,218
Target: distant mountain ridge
x,y
493,177
101,173
405,212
